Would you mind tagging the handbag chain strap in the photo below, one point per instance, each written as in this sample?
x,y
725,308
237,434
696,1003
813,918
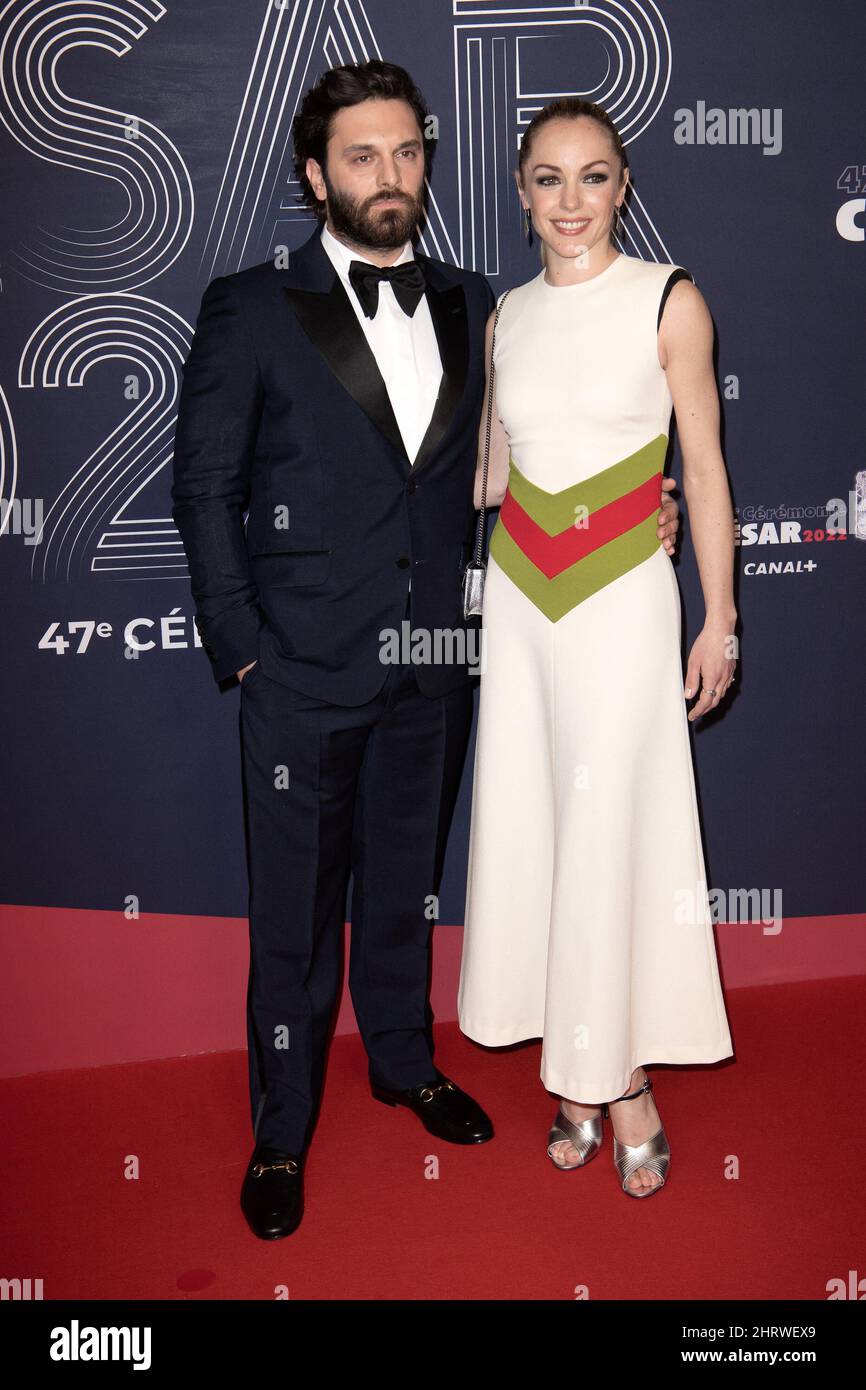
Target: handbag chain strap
x,y
479,530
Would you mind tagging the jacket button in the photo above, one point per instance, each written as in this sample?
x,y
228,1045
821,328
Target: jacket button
x,y
403,563
411,485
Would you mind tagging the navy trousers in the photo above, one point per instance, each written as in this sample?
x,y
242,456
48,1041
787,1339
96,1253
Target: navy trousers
x,y
329,790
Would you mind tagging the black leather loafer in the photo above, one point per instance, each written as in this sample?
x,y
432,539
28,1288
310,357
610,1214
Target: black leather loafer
x,y
272,1196
443,1109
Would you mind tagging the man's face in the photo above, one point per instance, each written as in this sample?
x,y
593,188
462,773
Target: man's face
x,y
374,180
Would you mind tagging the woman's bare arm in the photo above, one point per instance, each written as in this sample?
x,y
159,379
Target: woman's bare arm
x,y
497,469
686,353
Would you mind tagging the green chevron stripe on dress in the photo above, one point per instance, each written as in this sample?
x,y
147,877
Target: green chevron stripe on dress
x,y
554,511
556,597
556,563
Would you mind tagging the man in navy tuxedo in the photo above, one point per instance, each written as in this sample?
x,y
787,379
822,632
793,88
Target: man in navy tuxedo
x,y
337,401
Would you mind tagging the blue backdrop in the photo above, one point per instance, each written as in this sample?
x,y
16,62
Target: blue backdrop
x,y
146,149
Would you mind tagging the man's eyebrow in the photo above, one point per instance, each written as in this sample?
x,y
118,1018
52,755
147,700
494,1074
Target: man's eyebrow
x,y
559,171
406,144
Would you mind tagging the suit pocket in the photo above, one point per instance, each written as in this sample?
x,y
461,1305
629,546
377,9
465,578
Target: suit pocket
x,y
289,569
254,673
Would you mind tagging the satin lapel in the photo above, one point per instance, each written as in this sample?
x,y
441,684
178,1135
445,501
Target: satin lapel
x,y
323,310
331,325
448,312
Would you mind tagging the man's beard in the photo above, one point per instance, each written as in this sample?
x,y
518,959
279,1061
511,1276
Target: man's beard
x,y
361,223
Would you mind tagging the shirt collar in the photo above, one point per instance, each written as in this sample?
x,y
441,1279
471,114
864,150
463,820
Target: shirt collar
x,y
342,255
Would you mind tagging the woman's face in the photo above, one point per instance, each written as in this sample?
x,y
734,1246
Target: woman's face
x,y
571,186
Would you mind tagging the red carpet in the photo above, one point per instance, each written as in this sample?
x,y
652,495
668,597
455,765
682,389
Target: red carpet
x,y
499,1222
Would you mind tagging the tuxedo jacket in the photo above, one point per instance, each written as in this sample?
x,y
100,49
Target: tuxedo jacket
x,y
301,515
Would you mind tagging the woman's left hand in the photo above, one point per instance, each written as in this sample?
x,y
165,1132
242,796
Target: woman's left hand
x,y
711,669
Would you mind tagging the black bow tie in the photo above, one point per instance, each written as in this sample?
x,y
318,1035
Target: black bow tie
x,y
407,281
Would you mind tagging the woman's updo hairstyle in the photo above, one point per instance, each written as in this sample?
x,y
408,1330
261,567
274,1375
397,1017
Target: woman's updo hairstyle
x,y
569,108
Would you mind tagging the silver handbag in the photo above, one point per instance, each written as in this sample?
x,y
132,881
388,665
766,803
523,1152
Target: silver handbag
x,y
476,571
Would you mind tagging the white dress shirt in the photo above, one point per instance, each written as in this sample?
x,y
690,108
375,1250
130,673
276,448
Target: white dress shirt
x,y
406,349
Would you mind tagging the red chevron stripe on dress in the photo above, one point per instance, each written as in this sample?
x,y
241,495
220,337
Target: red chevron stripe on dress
x,y
553,554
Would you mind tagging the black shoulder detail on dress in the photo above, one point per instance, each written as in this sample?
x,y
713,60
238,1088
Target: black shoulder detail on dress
x,y
673,278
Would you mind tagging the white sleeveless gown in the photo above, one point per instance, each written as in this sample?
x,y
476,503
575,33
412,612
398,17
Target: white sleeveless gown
x,y
587,919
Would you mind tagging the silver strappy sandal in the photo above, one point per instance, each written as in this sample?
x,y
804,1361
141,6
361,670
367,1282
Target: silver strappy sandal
x,y
654,1153
586,1136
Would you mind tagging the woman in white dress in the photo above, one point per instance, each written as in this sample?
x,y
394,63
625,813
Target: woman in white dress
x,y
587,916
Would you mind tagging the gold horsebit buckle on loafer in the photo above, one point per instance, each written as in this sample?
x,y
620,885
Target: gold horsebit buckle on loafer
x,y
290,1166
429,1091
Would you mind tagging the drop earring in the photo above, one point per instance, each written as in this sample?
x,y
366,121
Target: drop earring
x,y
527,225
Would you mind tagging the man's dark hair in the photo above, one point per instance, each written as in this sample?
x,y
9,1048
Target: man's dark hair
x,y
347,86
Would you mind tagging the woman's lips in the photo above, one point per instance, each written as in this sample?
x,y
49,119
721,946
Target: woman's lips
x,y
571,227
